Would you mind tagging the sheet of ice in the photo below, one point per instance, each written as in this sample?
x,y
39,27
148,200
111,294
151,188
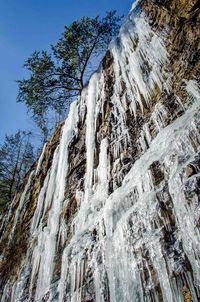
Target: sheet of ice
x,y
130,228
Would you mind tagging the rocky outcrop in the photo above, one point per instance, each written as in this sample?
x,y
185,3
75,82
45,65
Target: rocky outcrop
x,y
110,212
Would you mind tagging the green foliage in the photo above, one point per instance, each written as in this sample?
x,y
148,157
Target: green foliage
x,y
57,78
16,158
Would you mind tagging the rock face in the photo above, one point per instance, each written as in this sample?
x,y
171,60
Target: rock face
x,y
110,212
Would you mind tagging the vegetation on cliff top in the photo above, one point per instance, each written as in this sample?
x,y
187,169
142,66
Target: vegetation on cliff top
x,y
56,78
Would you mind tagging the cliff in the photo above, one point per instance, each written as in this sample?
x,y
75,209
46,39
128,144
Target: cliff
x,y
110,212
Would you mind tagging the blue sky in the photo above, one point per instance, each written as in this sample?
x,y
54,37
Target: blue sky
x,y
28,25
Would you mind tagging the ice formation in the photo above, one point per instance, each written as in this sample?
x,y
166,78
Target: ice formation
x,y
135,233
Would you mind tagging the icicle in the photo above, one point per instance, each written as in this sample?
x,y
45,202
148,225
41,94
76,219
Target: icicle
x,y
43,255
102,172
193,90
159,116
90,133
40,205
40,160
22,204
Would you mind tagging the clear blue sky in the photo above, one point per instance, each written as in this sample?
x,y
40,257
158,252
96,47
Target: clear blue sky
x,y
28,25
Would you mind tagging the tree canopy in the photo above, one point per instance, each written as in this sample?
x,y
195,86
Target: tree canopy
x,y
56,78
16,158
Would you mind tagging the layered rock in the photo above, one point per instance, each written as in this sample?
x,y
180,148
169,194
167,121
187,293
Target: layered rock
x,y
111,210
